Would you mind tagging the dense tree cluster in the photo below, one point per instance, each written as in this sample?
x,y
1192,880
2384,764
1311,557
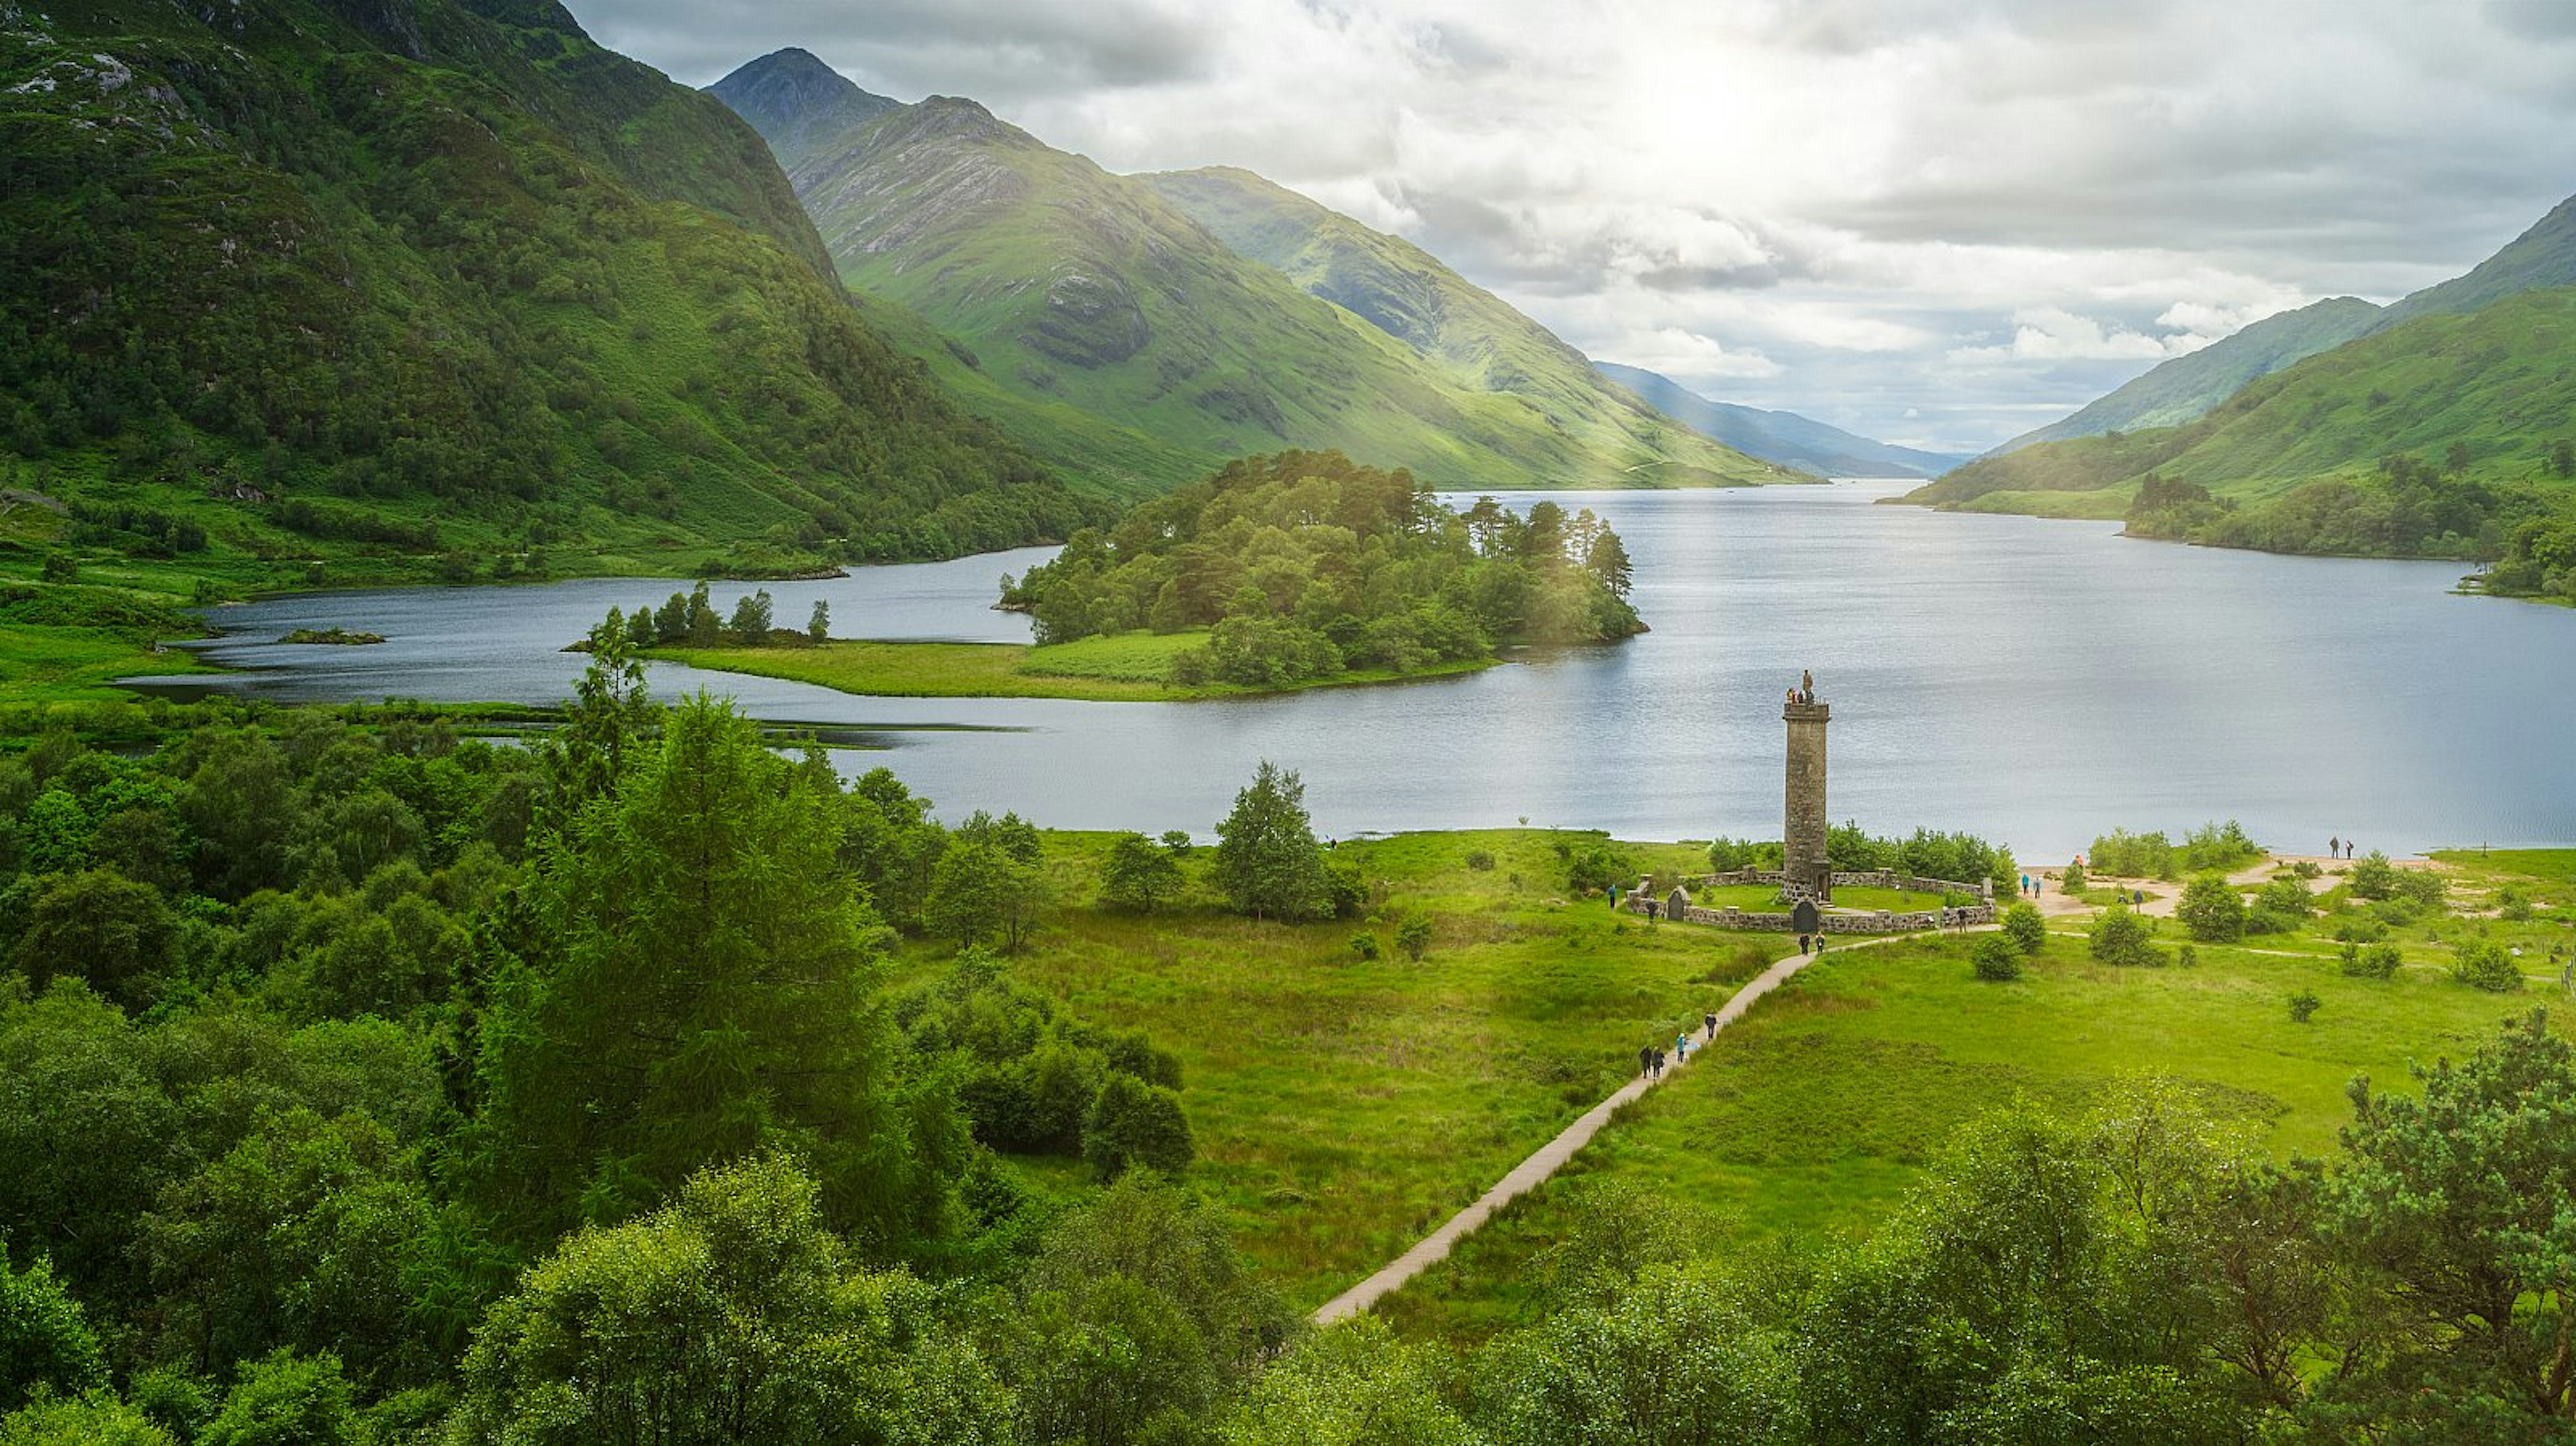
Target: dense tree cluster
x,y
331,1043
2407,507
2220,846
2539,558
1926,853
1306,564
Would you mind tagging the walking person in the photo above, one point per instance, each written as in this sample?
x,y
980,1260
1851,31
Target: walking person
x,y
1646,1061
1708,1026
2334,848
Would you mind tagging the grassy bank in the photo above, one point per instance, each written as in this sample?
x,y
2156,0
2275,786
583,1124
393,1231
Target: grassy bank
x,y
40,664
1128,668
69,643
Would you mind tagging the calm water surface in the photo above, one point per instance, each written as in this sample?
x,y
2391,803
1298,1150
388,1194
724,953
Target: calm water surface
x,y
2033,681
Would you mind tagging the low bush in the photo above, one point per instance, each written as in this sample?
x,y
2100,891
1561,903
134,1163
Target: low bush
x,y
1996,957
2371,961
2484,964
1413,936
2024,926
2123,938
2303,1006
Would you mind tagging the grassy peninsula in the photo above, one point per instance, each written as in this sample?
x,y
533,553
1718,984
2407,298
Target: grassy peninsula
x,y
1127,668
1299,570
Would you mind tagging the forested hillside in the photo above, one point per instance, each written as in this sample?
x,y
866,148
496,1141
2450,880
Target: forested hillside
x,y
408,287
1119,331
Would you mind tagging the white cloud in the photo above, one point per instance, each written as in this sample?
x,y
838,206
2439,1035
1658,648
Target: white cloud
x,y
2048,334
1689,357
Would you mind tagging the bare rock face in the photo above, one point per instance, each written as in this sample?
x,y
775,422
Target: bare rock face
x,y
1089,321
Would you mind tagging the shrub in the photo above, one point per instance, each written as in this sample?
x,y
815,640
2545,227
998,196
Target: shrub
x,y
2484,964
1365,944
2373,877
2425,889
1481,861
2303,1006
2023,925
2211,910
1596,866
2280,907
2133,855
1133,1123
2121,938
2073,880
1345,890
1996,957
1413,936
2371,961
2512,904
1726,855
2218,846
2360,929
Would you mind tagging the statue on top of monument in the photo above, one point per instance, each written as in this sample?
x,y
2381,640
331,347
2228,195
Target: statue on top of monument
x,y
1806,685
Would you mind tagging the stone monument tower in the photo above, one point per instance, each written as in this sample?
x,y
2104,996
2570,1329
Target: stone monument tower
x,y
1803,863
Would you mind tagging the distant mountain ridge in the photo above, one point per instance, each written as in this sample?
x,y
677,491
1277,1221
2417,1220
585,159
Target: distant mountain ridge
x,y
1783,437
2487,395
1101,317
2543,256
798,103
2177,391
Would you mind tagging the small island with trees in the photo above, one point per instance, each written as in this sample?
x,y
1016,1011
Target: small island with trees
x,y
1298,570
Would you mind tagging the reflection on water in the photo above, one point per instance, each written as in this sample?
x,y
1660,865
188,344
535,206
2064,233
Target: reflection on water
x,y
2031,680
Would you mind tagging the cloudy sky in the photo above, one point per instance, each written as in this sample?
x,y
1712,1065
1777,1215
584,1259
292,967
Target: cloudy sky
x,y
1933,221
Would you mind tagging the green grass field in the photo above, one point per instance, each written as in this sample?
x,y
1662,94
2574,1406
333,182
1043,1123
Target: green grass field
x,y
1343,1107
1128,668
40,664
1765,898
1815,1113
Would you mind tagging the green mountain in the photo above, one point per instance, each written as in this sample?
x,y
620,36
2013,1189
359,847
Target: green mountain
x,y
1475,337
1099,319
1783,437
798,103
2544,256
2173,392
408,286
2443,431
